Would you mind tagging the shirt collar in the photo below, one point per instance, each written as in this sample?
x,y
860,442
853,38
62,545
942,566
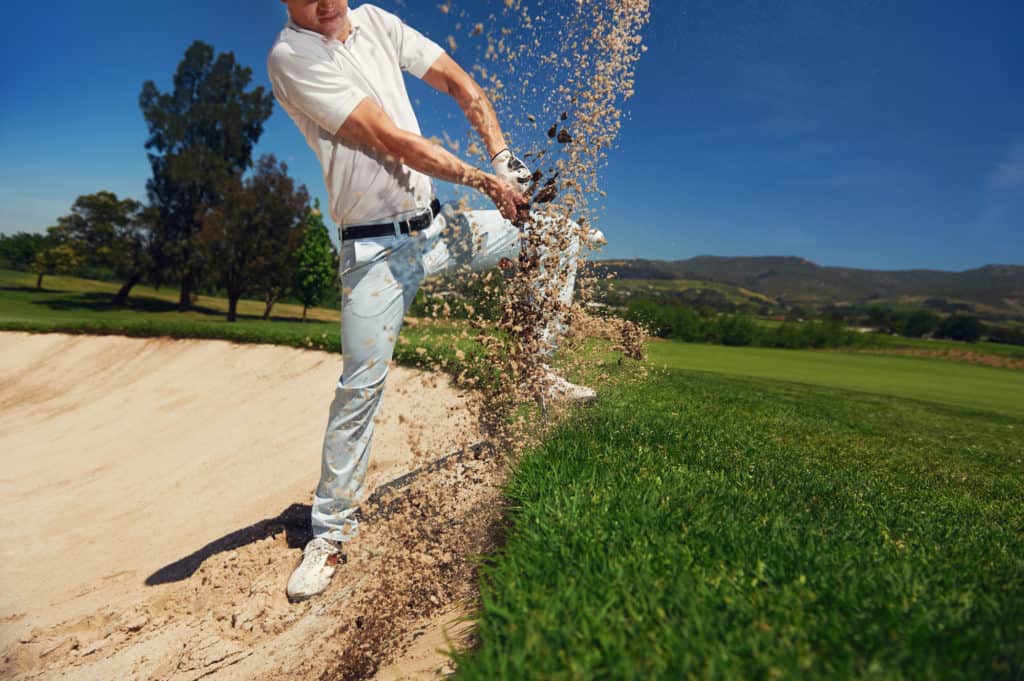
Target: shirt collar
x,y
313,34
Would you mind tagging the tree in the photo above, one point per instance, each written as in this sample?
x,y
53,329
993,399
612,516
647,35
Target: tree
x,y
920,323
59,259
200,134
961,327
882,318
796,314
314,262
110,232
1006,334
19,250
250,237
736,330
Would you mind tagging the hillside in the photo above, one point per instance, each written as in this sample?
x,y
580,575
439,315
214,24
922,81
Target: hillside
x,y
795,281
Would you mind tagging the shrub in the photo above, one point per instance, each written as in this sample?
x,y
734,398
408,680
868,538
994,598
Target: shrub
x,y
736,330
919,323
667,321
1006,334
683,323
961,327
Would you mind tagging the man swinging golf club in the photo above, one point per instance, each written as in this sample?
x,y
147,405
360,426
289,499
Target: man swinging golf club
x,y
338,74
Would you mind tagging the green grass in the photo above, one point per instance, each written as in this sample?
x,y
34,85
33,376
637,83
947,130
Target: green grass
x,y
74,297
701,526
83,306
70,305
919,378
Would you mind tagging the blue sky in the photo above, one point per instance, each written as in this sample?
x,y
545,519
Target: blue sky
x,y
863,133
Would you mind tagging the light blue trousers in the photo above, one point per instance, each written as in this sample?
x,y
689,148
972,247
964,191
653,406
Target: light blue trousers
x,y
380,278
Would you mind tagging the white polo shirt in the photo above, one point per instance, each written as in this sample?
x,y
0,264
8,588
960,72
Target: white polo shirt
x,y
320,82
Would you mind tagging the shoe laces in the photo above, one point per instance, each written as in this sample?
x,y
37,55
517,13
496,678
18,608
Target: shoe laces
x,y
320,547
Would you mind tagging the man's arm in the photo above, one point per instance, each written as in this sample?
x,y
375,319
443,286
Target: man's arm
x,y
448,77
370,126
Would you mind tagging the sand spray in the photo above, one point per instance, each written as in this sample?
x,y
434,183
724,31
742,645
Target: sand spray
x,y
558,73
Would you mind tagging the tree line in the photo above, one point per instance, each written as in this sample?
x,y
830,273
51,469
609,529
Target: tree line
x,y
685,323
212,217
706,325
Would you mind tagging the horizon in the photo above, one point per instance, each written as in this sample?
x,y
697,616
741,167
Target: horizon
x,y
601,259
863,136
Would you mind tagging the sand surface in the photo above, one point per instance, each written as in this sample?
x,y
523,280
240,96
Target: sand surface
x,y
154,499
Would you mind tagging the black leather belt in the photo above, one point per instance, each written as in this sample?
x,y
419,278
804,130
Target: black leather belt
x,y
394,228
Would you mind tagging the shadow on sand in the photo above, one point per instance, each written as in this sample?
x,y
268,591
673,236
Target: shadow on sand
x,y
294,521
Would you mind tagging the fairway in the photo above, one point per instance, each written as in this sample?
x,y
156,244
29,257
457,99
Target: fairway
x,y
933,380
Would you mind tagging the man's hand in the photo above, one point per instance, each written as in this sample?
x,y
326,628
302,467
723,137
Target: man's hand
x,y
508,167
506,197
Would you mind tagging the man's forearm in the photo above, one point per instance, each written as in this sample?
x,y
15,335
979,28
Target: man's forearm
x,y
431,159
480,114
450,78
422,155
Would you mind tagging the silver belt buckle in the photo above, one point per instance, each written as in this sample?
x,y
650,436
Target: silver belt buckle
x,y
423,213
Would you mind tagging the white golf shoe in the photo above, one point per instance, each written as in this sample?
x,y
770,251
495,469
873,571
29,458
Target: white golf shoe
x,y
560,389
320,559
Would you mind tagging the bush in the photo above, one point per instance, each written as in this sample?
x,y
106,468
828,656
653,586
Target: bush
x,y
961,327
667,321
882,318
736,330
1006,334
683,323
919,323
826,334
908,323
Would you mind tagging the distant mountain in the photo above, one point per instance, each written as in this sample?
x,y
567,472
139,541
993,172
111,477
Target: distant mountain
x,y
792,280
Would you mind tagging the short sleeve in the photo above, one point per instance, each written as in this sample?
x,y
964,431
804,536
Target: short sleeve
x,y
317,88
416,52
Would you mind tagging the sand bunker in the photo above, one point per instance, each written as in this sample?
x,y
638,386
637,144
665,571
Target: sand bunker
x,y
155,499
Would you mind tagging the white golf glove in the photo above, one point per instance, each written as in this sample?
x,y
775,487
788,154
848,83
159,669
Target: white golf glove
x,y
508,167
595,238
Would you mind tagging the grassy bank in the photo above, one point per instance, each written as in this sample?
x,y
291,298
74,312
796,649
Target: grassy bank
x,y
706,526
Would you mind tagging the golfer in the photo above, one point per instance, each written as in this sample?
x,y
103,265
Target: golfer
x,y
338,74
